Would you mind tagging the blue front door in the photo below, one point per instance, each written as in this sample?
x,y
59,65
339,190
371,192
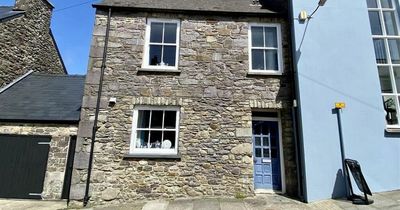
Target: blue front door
x,y
266,154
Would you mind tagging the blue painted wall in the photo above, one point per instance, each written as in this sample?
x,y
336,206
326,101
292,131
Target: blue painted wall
x,y
336,62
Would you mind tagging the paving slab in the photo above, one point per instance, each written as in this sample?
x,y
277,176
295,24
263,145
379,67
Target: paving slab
x,y
155,205
206,204
136,206
14,204
181,205
231,204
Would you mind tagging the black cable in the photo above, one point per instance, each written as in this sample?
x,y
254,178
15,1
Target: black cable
x,y
75,5
316,9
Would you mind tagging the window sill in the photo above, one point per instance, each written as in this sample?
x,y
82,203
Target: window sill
x,y
156,70
269,73
392,130
152,156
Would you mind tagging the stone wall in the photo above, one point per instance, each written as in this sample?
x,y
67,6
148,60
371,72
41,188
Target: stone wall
x,y
216,97
59,147
26,43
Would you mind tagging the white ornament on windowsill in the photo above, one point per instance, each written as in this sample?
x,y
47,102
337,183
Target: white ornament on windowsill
x,y
163,64
166,144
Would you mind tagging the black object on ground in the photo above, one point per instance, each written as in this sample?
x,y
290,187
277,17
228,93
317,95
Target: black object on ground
x,y
358,176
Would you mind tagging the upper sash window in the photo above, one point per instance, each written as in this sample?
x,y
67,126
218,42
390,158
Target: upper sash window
x,y
162,44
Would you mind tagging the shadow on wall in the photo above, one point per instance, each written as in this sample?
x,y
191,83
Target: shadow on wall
x,y
338,188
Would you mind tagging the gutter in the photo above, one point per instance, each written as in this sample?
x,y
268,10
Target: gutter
x,y
94,131
193,12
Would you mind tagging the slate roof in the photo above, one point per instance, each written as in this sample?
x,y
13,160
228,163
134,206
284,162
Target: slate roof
x,y
226,6
39,97
7,13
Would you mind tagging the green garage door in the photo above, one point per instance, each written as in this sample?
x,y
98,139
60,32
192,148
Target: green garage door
x,y
23,162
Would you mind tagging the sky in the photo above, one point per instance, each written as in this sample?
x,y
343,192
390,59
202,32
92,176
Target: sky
x,y
72,25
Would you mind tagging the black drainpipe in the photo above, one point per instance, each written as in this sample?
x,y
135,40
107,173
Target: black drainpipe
x,y
295,111
103,67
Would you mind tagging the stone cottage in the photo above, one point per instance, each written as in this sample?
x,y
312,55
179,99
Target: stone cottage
x,y
26,40
196,101
38,126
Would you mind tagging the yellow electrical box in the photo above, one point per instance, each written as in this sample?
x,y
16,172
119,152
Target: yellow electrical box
x,y
340,105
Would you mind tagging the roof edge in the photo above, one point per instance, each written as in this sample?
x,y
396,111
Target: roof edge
x,y
50,4
15,81
33,121
58,51
102,6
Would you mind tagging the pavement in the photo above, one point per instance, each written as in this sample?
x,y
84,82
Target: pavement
x,y
386,201
13,204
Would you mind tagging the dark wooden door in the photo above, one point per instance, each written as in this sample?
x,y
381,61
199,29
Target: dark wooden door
x,y
23,162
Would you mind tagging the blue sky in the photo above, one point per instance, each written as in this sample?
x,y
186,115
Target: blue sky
x,y
72,26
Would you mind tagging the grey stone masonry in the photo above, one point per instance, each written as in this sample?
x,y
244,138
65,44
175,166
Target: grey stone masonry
x,y
26,43
216,96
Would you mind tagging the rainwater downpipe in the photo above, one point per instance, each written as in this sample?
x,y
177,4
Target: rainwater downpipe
x,y
296,113
94,130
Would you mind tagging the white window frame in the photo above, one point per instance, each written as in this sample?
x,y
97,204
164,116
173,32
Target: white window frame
x,y
145,64
389,63
153,151
279,48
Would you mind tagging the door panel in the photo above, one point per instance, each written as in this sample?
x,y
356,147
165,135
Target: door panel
x,y
266,154
23,163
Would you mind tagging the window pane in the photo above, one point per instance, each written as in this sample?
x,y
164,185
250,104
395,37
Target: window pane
x,y
170,119
375,23
389,104
170,33
258,141
169,55
143,119
271,59
394,47
271,39
257,36
257,125
266,153
258,152
142,139
169,136
372,4
156,119
257,59
380,51
384,77
155,139
156,32
155,55
390,23
396,71
266,142
386,4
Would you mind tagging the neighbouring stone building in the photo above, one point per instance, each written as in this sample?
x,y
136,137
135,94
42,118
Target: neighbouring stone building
x,y
196,101
38,126
26,40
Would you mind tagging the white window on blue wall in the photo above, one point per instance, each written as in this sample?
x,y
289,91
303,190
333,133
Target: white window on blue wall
x,y
155,130
265,49
384,21
162,44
